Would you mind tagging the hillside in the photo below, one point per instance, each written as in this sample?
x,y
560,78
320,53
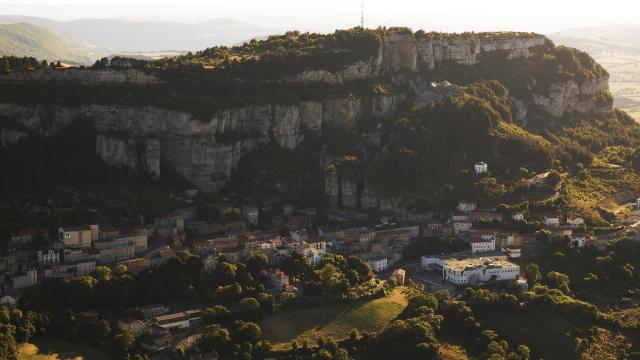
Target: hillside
x,y
376,120
149,36
22,39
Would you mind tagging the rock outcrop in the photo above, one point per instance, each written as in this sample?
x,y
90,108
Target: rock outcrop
x,y
205,152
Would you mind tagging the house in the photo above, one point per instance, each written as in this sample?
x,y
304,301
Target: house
x,y
513,252
278,279
432,227
462,226
181,320
551,220
579,241
378,263
508,238
481,168
575,222
466,206
399,274
30,278
482,245
51,256
78,236
638,203
517,216
9,300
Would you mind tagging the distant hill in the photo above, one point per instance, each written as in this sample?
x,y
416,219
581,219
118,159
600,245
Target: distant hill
x,y
150,36
22,39
609,35
617,48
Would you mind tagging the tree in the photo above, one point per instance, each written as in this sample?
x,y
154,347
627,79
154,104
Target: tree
x,y
216,314
249,305
120,270
5,67
249,331
532,274
559,281
215,338
102,273
124,340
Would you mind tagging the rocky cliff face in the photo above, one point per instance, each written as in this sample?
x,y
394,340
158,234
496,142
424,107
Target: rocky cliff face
x,y
205,152
573,97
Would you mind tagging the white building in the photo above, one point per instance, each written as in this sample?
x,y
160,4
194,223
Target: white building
x,y
551,220
51,256
481,168
517,216
378,264
30,278
483,245
513,252
575,222
473,270
579,241
466,206
462,226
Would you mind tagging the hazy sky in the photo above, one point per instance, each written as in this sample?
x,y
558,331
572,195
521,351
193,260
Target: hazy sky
x,y
326,15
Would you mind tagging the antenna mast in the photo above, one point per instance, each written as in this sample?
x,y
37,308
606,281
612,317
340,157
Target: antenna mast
x,y
362,14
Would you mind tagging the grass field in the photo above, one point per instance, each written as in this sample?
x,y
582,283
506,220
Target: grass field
x,y
336,321
54,349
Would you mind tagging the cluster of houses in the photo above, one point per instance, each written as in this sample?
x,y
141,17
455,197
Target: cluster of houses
x,y
75,252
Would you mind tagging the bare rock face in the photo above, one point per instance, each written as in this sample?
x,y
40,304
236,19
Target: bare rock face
x,y
311,117
570,97
463,50
286,126
139,154
341,112
399,52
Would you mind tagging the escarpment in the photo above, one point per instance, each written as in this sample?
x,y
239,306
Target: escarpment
x,y
406,70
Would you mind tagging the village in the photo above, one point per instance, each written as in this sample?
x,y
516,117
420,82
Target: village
x,y
491,247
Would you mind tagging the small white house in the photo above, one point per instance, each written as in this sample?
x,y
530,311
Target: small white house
x,y
466,206
575,222
579,241
481,168
513,252
517,216
551,220
378,264
483,245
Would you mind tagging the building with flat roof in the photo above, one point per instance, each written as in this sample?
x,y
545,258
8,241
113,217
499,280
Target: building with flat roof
x,y
473,270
